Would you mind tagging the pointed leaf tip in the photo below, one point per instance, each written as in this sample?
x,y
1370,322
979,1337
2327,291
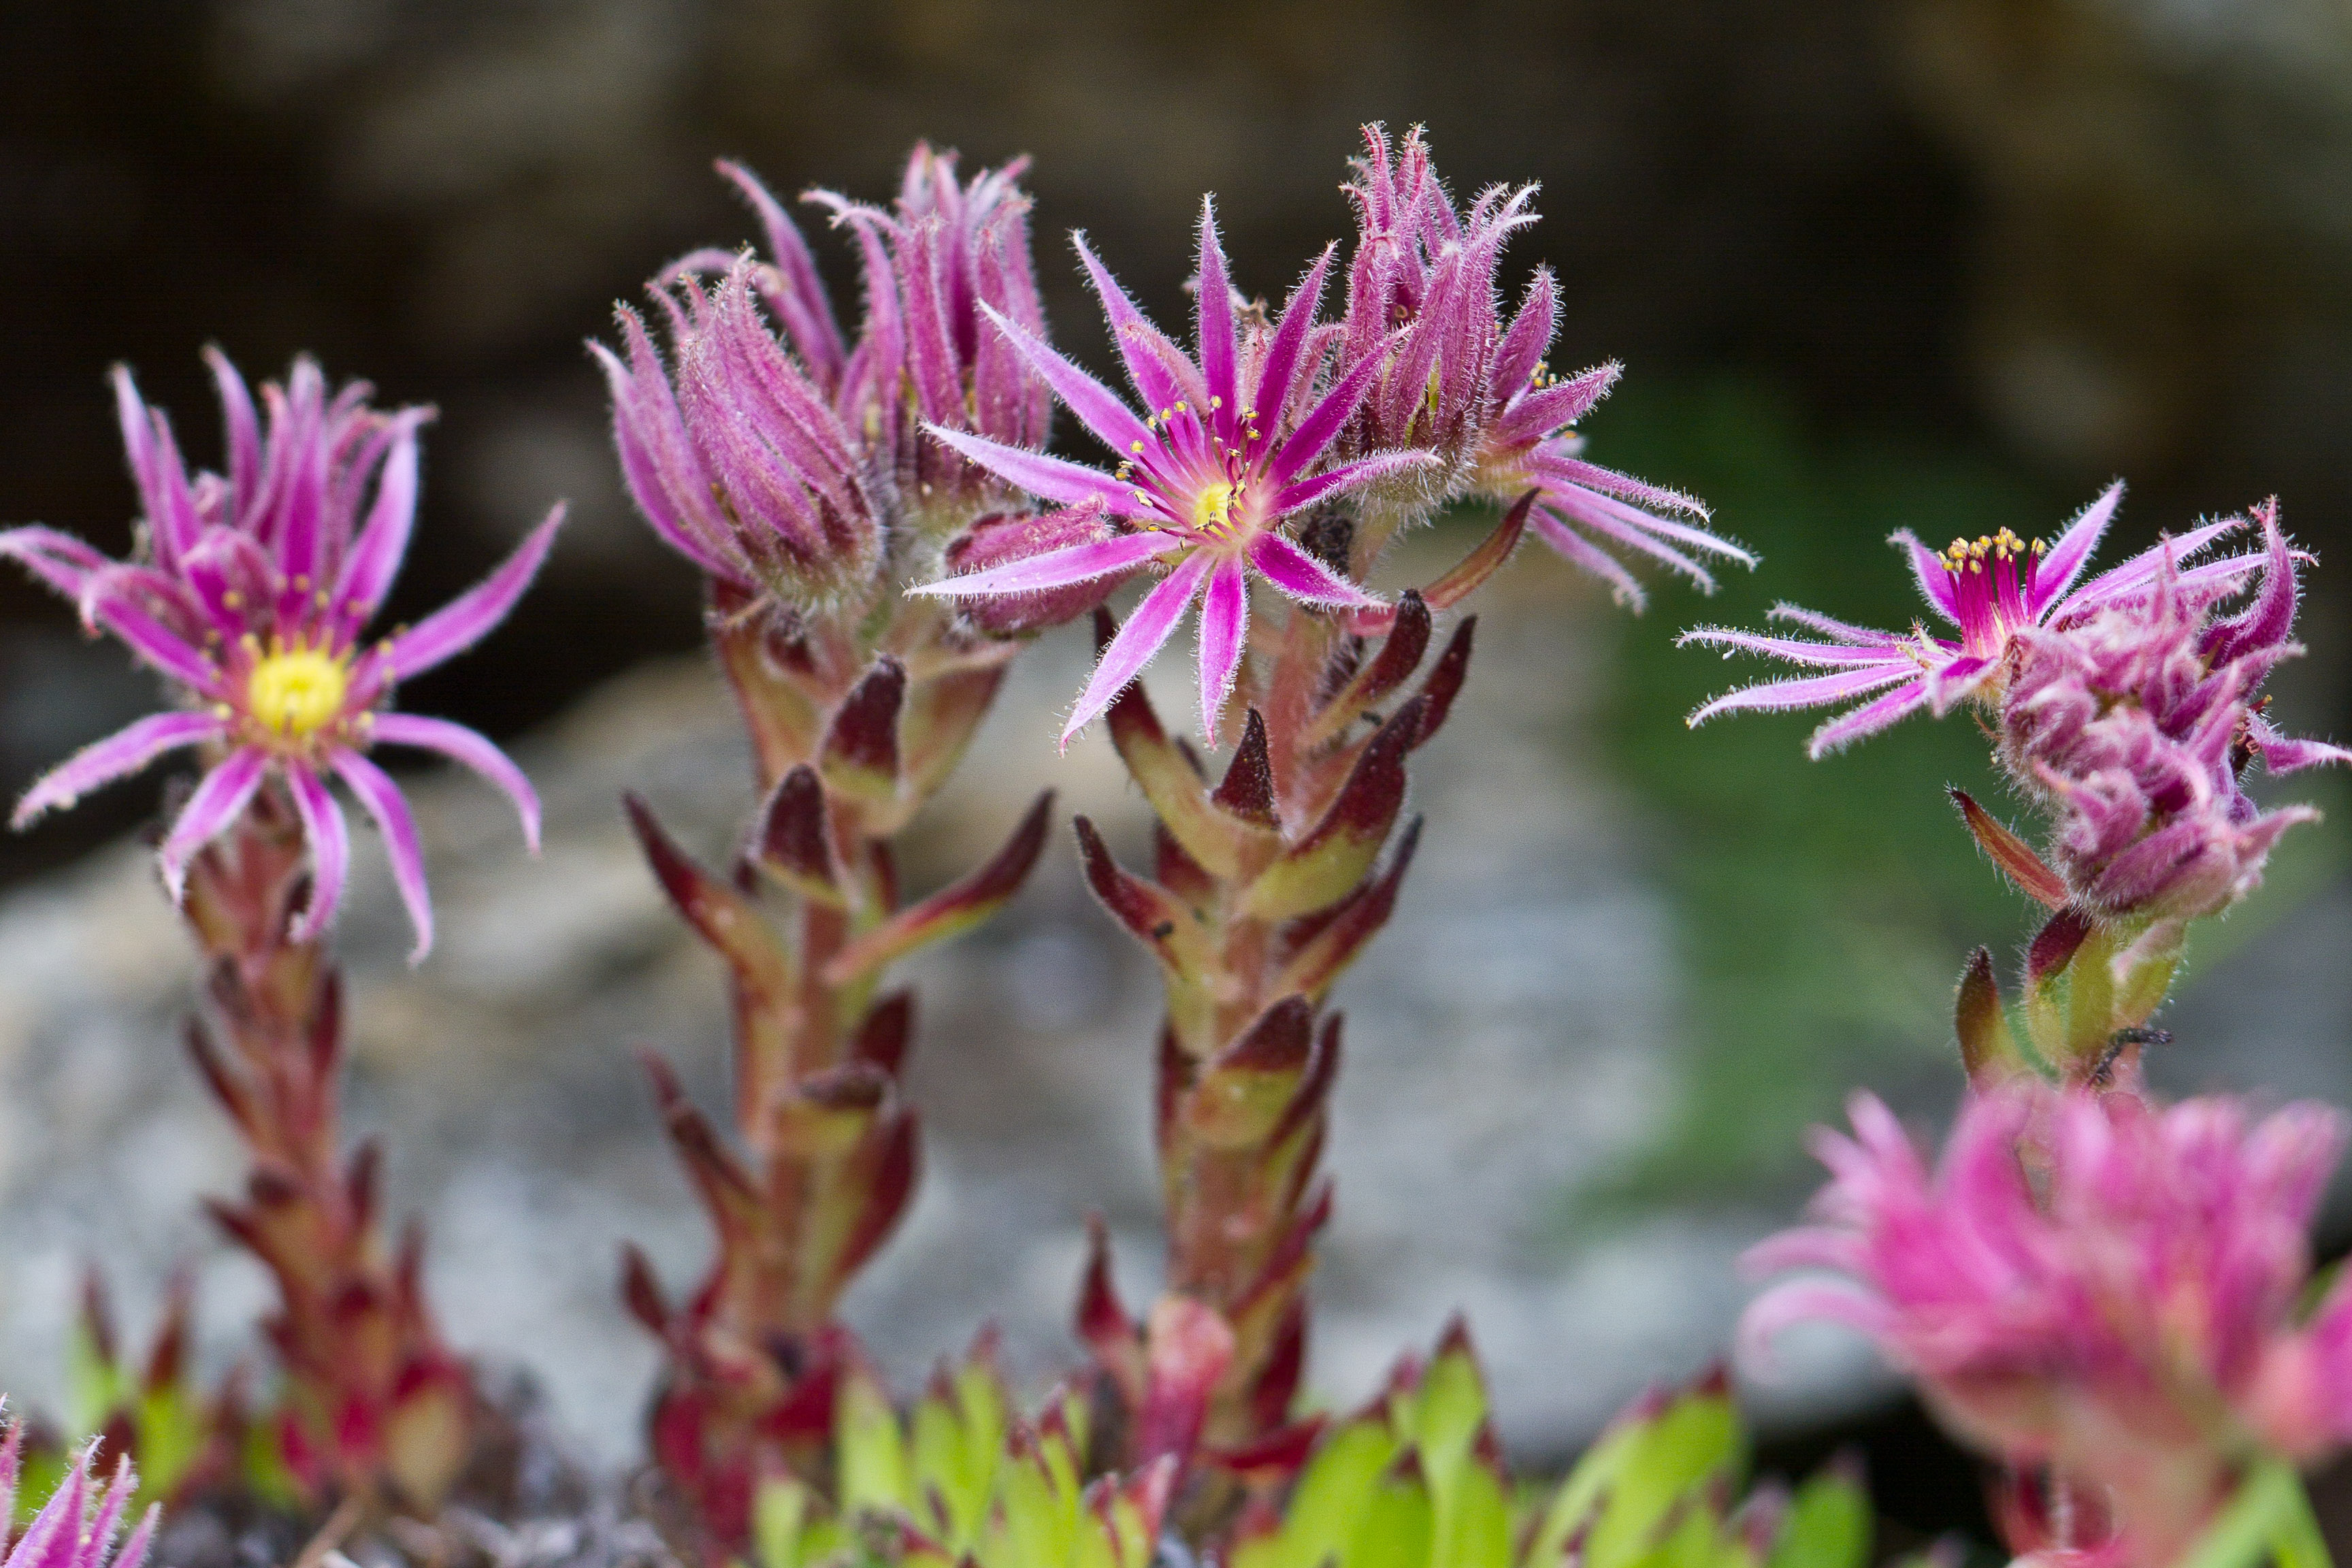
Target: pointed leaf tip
x,y
956,908
1247,791
1987,1048
2017,861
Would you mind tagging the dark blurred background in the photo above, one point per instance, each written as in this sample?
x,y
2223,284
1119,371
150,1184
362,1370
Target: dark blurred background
x,y
1949,263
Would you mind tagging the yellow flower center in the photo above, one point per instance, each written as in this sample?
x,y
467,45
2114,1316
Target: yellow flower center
x,y
296,692
1213,514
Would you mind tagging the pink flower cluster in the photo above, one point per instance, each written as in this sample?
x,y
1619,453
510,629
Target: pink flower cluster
x,y
2132,726
2092,1284
1424,299
252,595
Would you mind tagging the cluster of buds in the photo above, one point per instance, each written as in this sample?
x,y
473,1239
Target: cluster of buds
x,y
794,469
2132,726
792,466
77,1527
2108,1294
1454,379
251,593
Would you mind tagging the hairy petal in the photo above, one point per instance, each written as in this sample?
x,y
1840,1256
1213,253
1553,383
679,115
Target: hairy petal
x,y
1224,628
2072,551
1302,577
219,796
477,752
1145,631
1057,568
1305,493
383,799
1805,691
330,849
466,619
124,753
1052,479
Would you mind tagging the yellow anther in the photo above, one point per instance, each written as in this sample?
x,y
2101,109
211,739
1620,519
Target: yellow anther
x,y
296,692
233,599
1135,448
1215,404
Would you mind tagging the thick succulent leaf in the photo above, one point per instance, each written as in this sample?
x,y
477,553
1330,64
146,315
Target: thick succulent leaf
x,y
1342,932
1158,920
860,754
2015,858
1444,682
723,917
794,841
1325,866
1399,655
1247,789
1448,1409
1472,1525
1329,1502
953,909
1466,575
1241,1095
1170,782
1828,1526
873,1472
1630,1479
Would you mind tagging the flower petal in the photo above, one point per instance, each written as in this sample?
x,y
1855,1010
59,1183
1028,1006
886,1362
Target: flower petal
x,y
468,618
58,559
1213,314
384,802
1347,477
460,744
1806,691
1323,422
330,838
375,560
1056,568
1927,570
1131,332
1867,720
1145,631
219,796
119,755
1099,408
1224,629
1553,530
150,640
242,431
2066,559
1302,577
1283,353
1823,655
1051,479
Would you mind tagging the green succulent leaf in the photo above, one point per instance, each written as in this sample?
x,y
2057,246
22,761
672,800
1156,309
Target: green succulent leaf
x,y
1828,1526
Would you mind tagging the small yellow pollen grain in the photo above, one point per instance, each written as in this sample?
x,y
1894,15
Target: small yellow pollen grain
x,y
233,599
